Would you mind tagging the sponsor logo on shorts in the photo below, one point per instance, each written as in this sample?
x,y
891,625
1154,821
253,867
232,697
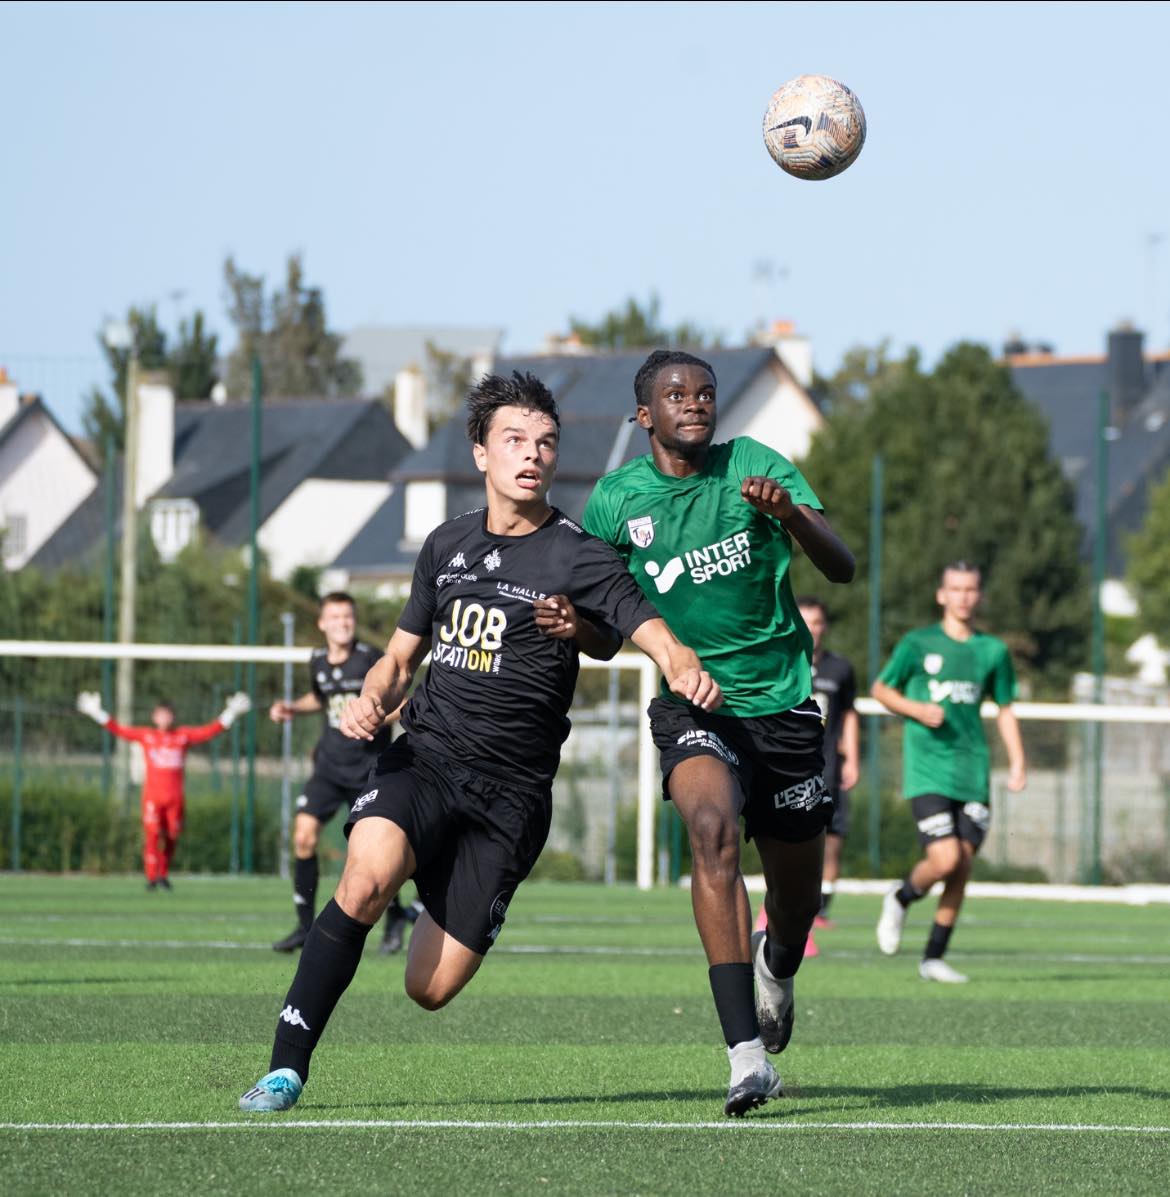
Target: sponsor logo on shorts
x,y
364,800
938,825
805,795
699,738
302,801
499,911
642,531
293,1018
979,814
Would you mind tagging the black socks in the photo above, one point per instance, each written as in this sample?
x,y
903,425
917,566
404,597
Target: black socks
x,y
936,945
328,962
908,893
732,986
783,959
305,874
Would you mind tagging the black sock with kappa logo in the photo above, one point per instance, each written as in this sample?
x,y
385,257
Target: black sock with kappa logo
x,y
328,962
305,875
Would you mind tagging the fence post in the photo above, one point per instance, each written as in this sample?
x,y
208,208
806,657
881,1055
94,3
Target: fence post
x,y
873,722
17,752
234,736
615,781
287,620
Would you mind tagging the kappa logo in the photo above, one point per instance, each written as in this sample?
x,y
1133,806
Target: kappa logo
x,y
642,531
363,801
293,1018
492,561
457,562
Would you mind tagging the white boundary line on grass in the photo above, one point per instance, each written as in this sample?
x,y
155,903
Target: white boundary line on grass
x,y
580,1124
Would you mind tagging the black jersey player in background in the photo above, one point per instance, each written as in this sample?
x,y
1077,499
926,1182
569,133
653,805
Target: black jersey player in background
x,y
340,765
504,597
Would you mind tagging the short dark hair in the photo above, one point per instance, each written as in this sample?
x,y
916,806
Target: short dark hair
x,y
811,600
648,371
165,703
959,567
494,391
335,596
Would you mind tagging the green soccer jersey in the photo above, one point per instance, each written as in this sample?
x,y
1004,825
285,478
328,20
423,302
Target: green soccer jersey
x,y
716,568
929,666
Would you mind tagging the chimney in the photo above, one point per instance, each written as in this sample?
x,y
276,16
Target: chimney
x,y
791,348
9,398
156,436
410,405
1126,370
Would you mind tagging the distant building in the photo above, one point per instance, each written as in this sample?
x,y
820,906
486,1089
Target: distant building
x,y
44,477
763,393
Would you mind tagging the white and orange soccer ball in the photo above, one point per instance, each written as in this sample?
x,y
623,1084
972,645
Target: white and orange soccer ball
x,y
814,127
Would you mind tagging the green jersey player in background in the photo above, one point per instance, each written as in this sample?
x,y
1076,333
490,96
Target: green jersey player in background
x,y
936,680
708,530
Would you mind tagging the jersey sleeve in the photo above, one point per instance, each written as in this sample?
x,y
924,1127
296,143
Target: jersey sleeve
x,y
200,735
755,458
598,517
418,615
123,732
901,666
1001,684
605,589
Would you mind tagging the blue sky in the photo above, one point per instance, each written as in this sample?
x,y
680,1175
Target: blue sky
x,y
514,164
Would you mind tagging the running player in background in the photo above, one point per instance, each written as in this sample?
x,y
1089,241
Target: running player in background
x,y
707,531
936,680
164,749
340,765
506,597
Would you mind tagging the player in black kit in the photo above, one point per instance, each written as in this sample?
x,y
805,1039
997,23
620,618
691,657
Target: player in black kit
x,y
504,597
340,765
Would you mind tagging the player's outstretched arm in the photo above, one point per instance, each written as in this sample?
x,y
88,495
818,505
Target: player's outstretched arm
x,y
385,686
282,712
680,665
1009,732
807,526
930,714
556,616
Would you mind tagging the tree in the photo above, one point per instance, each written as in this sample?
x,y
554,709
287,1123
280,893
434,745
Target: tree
x,y
635,327
192,363
1148,555
968,475
298,354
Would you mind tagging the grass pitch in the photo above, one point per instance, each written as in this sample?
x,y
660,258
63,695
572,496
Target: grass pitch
x,y
584,1058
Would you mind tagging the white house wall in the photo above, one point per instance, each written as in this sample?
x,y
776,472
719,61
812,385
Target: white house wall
x,y
776,412
317,521
43,480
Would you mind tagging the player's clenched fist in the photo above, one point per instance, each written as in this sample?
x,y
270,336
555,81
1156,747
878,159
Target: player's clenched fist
x,y
699,687
556,617
362,717
768,496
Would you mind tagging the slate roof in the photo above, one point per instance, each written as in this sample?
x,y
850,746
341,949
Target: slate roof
x,y
383,350
595,395
1067,392
300,438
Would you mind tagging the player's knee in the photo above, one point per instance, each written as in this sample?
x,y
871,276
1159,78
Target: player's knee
x,y
363,895
305,842
948,856
714,840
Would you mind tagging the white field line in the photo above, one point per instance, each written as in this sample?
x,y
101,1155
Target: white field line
x,y
756,1125
1124,895
536,949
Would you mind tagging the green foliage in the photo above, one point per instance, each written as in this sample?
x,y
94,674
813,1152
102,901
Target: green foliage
x,y
557,866
450,375
968,475
192,362
1148,555
298,354
638,327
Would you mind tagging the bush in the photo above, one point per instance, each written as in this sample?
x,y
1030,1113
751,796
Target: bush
x,y
557,866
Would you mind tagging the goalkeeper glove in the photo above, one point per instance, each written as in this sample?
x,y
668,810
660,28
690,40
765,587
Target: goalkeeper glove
x,y
238,704
89,702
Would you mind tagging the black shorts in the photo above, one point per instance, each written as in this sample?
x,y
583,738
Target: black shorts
x,y
323,795
839,824
776,759
940,818
475,838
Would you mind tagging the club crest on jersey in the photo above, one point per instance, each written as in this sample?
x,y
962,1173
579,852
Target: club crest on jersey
x,y
642,531
492,561
932,662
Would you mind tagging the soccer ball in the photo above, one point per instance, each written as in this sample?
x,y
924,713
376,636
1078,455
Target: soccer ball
x,y
814,127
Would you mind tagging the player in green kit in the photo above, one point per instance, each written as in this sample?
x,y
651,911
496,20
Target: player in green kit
x,y
936,680
707,531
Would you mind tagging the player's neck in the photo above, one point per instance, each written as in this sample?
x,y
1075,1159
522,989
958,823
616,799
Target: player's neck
x,y
338,654
957,629
675,463
505,517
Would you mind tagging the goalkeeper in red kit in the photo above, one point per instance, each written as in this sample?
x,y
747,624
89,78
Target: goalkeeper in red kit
x,y
164,749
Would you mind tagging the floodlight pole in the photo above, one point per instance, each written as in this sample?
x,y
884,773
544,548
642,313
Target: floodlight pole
x,y
253,618
127,602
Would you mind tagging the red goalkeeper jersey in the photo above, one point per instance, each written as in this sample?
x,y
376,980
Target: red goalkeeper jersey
x,y
166,755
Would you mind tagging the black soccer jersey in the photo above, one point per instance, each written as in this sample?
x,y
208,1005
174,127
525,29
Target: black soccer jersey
x,y
497,691
337,758
835,689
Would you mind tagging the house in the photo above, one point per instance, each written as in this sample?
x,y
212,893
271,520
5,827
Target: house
x,y
44,477
763,393
1137,436
324,467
